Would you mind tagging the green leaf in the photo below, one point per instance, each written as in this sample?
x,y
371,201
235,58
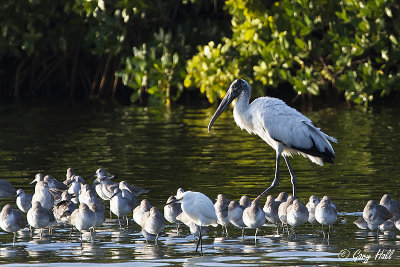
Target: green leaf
x,y
300,43
388,12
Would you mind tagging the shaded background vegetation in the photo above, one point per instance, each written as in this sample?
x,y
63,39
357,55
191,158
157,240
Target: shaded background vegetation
x,y
175,51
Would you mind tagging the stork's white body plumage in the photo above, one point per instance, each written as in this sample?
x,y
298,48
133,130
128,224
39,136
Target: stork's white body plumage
x,y
282,127
277,123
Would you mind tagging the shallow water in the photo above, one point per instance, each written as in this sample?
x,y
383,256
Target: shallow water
x,y
165,149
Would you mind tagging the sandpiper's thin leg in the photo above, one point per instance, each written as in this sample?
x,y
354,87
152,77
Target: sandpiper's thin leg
x,y
293,177
276,179
329,231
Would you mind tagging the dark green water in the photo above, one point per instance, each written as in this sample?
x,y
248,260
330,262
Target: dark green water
x,y
165,149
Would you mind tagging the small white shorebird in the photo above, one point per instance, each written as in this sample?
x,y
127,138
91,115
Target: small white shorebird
x,y
11,220
200,209
280,126
254,217
326,213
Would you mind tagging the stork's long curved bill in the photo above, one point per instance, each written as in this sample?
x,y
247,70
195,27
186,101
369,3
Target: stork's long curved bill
x,y
229,97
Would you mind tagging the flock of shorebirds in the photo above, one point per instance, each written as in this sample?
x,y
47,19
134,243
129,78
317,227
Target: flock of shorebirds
x,y
75,203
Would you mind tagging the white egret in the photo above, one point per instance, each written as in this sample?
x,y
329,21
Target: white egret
x,y
280,126
200,209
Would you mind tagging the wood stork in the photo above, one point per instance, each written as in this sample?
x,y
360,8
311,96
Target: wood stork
x,y
280,126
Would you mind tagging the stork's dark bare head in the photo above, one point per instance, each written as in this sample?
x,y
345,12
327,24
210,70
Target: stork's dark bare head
x,y
235,89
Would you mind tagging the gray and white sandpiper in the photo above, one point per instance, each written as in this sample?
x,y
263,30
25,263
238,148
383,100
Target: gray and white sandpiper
x,y
245,201
282,197
296,214
326,213
387,227
74,185
152,223
221,209
254,217
62,210
235,215
54,183
361,223
271,211
282,211
6,189
104,187
140,210
39,217
83,218
99,214
87,195
120,206
392,205
171,211
69,175
134,190
11,220
24,200
375,214
44,195
311,205
131,192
